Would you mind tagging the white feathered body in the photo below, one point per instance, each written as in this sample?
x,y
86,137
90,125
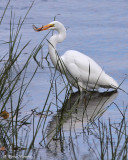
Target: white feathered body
x,y
83,71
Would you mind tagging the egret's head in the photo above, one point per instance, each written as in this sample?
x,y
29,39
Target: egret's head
x,y
55,25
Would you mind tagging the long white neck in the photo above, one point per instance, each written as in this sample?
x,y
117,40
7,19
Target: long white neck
x,y
56,38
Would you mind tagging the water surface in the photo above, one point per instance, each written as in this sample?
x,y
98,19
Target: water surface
x,y
98,29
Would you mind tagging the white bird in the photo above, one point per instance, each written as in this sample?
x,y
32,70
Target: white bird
x,y
80,70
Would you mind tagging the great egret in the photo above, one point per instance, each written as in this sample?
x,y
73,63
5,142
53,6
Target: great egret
x,y
80,70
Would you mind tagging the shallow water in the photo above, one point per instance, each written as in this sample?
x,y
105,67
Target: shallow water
x,y
97,28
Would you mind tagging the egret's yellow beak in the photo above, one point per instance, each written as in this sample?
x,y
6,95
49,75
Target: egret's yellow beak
x,y
43,27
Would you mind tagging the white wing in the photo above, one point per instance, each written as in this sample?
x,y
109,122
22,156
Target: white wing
x,y
86,70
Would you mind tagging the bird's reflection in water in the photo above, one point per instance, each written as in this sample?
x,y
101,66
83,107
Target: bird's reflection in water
x,y
75,114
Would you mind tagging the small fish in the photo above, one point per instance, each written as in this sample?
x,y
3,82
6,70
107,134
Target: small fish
x,y
37,29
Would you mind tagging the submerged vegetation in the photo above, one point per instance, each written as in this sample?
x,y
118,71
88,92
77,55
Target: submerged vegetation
x,y
79,115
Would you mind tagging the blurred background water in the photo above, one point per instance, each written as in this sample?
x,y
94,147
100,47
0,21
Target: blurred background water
x,y
97,28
